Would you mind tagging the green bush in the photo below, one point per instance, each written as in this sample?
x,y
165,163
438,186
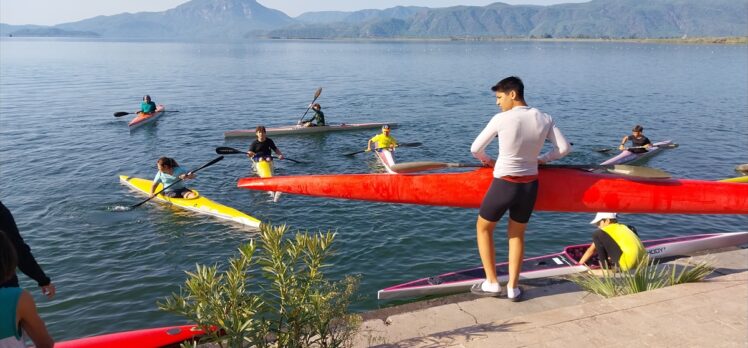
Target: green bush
x,y
648,275
290,303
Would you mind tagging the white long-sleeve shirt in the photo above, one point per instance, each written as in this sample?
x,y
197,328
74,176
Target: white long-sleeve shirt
x,y
522,131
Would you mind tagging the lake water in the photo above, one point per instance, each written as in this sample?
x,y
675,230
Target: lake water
x,y
61,150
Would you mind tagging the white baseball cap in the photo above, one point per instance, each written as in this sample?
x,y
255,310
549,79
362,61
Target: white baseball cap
x,y
602,216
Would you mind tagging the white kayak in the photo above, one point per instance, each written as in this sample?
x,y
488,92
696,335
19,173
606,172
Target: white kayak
x,y
292,130
558,264
386,158
628,157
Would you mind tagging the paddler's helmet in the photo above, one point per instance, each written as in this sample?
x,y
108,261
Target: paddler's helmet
x,y
386,127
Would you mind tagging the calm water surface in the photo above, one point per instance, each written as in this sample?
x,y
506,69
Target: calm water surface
x,y
61,150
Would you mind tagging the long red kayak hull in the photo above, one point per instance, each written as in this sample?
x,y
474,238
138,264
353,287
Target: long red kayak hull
x,y
158,337
561,189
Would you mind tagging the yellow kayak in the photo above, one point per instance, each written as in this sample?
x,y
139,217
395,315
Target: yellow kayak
x,y
200,204
264,168
743,179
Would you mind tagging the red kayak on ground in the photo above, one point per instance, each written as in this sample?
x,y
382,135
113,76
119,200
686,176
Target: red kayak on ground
x,y
146,338
561,189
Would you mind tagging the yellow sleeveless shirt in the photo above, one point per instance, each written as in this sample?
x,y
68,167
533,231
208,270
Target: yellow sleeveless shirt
x,y
632,249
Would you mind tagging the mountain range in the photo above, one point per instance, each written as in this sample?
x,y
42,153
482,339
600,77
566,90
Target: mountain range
x,y
243,19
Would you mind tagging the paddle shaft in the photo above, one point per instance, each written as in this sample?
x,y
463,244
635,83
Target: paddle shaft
x,y
398,145
667,146
212,162
123,113
224,150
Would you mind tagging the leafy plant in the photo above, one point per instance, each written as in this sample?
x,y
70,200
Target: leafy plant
x,y
648,275
290,303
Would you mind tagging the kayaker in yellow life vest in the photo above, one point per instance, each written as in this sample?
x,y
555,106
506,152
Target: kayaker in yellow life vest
x,y
617,245
383,140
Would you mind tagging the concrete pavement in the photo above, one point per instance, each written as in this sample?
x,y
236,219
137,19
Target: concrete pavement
x,y
712,313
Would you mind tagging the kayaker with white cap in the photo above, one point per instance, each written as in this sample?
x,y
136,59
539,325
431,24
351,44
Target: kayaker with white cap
x,y
522,132
383,140
617,245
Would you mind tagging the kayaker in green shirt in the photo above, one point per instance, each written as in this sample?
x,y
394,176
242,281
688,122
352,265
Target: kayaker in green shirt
x,y
147,106
318,118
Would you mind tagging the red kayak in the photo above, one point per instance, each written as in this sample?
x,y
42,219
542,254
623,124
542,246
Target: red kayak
x,y
561,189
159,337
143,119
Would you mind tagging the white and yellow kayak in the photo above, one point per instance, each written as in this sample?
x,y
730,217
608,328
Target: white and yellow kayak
x,y
200,204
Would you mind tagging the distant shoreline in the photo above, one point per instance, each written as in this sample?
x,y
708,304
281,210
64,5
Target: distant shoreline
x,y
731,40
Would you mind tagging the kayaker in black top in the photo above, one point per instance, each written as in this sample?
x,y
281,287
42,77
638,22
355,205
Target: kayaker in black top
x,y
318,118
260,148
640,143
26,262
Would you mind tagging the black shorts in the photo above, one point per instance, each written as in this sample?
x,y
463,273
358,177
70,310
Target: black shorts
x,y
502,195
608,251
178,193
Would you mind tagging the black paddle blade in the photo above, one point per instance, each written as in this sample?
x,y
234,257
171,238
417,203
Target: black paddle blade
x,y
317,93
224,150
409,144
120,113
354,153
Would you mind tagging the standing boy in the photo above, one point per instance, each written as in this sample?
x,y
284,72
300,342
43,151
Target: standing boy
x,y
522,131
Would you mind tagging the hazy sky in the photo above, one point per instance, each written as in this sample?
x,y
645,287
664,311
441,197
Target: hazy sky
x,y
51,12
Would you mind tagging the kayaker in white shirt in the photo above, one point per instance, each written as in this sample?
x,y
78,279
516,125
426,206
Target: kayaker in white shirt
x,y
521,131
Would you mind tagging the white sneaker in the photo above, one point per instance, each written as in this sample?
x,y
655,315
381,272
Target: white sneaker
x,y
486,289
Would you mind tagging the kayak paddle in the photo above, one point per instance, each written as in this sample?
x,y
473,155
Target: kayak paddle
x,y
225,150
398,145
123,113
606,150
622,169
212,162
316,95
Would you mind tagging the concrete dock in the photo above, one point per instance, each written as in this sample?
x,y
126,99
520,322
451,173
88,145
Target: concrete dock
x,y
556,313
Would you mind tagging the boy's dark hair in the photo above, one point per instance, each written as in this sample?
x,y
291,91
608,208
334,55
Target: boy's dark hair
x,y
168,161
260,129
8,258
511,83
638,128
